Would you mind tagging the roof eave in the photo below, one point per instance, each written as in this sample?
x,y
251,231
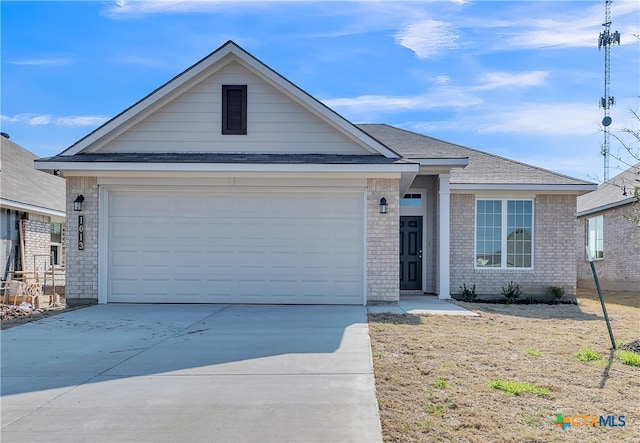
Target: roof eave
x,y
574,188
613,205
224,167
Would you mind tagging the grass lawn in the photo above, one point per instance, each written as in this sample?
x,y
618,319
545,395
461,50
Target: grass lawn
x,y
504,376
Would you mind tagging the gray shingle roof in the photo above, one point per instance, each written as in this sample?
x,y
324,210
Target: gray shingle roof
x,y
21,183
483,168
610,193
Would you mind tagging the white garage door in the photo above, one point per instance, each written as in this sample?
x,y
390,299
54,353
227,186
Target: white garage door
x,y
235,246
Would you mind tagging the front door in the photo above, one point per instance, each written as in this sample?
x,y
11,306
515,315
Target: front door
x,y
411,253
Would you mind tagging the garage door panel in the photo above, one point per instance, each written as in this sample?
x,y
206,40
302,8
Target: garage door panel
x,y
264,246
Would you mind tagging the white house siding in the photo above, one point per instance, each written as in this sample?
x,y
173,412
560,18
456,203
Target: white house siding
x,y
619,270
191,122
554,238
383,241
82,266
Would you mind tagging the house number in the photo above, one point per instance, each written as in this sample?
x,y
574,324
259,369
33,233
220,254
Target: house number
x,y
81,232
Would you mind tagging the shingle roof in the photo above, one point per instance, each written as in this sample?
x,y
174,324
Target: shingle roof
x,y
611,193
21,183
483,168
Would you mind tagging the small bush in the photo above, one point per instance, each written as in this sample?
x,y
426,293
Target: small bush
x,y
587,354
556,292
468,294
629,358
511,292
518,388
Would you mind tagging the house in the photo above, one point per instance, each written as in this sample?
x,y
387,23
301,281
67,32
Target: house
x,y
230,184
32,216
612,238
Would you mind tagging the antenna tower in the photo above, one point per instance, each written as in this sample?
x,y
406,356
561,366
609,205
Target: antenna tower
x,y
605,40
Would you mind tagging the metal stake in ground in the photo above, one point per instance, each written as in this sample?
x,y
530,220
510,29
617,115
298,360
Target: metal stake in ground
x,y
604,308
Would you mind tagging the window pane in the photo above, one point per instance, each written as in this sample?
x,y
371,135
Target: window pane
x,y
488,233
595,236
519,238
56,232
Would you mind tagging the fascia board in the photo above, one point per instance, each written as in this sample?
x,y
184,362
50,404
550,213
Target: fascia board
x,y
524,187
31,208
226,167
442,162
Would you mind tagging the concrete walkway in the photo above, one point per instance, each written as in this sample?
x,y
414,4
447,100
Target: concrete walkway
x,y
191,373
421,305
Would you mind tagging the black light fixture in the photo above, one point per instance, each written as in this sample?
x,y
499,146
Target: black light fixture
x,y
383,205
77,203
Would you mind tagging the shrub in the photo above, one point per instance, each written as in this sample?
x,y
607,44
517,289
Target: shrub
x,y
511,292
556,292
468,294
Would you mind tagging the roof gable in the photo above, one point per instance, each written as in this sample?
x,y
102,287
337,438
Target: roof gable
x,y
143,126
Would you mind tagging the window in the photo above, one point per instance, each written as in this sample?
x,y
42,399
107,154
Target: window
x,y
411,201
504,233
595,236
234,109
56,243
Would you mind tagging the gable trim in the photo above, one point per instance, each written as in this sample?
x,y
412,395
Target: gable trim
x,y
224,55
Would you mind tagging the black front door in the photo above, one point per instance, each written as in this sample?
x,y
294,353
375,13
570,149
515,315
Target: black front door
x,y
411,253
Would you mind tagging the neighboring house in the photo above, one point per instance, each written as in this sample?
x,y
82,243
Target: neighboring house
x,y
613,240
230,184
32,216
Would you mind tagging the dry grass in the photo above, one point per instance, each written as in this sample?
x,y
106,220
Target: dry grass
x,y
433,373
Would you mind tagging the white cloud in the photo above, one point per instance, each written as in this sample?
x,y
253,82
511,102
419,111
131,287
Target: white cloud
x,y
47,119
429,38
497,80
41,62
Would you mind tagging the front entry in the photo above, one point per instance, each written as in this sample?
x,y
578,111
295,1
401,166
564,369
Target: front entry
x,y
411,253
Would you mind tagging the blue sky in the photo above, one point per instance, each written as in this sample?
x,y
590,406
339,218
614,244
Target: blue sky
x,y
521,79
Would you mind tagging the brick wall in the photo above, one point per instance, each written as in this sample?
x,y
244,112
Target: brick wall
x,y
37,244
554,249
82,266
383,230
619,269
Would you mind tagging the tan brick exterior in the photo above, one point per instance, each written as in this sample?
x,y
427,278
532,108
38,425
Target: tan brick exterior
x,y
82,266
383,242
619,269
554,234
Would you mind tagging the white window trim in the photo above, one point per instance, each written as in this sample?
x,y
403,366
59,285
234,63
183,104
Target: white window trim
x,y
503,235
586,228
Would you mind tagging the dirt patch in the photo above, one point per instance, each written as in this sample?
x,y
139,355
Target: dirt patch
x,y
433,376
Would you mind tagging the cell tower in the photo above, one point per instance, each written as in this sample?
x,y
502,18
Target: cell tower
x,y
606,39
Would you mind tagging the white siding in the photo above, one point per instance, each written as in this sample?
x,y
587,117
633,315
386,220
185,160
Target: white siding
x,y
192,123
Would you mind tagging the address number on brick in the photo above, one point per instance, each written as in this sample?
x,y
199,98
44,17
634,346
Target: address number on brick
x,y
81,232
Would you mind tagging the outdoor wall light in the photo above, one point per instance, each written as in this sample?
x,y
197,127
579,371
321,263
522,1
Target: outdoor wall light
x,y
383,205
77,203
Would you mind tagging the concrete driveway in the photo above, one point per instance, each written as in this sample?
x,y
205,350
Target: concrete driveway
x,y
191,373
